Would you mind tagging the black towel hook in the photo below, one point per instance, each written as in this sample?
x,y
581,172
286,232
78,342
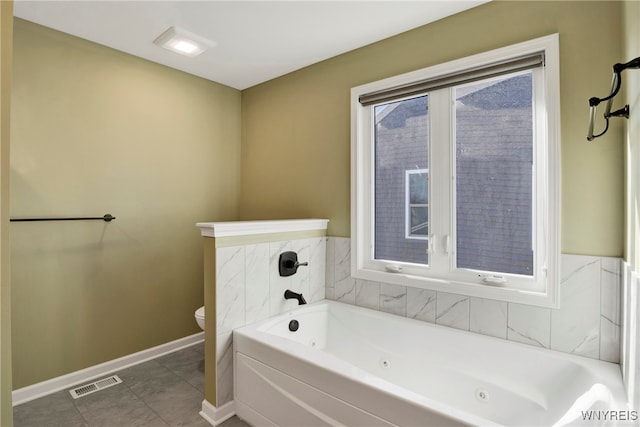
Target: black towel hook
x,y
616,83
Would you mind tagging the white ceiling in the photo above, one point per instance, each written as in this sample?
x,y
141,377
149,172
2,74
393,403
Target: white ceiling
x,y
256,40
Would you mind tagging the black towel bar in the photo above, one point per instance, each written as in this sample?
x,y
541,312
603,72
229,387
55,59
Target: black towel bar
x,y
105,218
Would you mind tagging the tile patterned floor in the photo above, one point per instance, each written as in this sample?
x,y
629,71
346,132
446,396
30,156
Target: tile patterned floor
x,y
167,391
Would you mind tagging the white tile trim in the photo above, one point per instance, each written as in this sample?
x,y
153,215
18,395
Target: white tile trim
x,y
630,342
216,416
53,385
247,228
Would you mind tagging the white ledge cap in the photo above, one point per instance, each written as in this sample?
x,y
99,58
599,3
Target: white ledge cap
x,y
245,228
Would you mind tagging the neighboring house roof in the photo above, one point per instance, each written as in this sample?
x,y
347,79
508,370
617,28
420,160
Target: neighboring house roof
x,y
402,111
512,93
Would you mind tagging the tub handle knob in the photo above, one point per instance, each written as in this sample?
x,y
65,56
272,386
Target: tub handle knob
x,y
288,263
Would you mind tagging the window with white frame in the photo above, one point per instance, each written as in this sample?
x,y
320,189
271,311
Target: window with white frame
x,y
455,176
417,204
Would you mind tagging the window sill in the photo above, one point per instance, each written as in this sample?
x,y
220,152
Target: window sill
x,y
540,299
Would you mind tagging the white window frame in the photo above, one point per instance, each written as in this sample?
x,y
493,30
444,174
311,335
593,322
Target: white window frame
x,y
542,288
408,205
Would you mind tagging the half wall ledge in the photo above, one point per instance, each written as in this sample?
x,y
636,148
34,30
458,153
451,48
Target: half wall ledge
x,y
247,228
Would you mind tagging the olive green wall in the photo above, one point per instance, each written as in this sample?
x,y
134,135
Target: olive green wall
x,y
631,81
296,129
6,36
95,131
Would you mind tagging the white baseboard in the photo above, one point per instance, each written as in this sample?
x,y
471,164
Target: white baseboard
x,y
53,385
216,416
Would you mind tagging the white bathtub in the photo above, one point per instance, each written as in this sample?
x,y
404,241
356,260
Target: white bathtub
x,y
352,366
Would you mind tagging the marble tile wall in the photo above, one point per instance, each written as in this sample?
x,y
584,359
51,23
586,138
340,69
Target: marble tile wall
x,y
587,322
250,289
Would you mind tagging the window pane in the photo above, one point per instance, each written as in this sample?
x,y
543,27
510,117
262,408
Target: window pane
x,y
418,188
494,158
401,145
417,203
419,221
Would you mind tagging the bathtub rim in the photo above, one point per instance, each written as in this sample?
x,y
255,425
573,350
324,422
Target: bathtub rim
x,y
261,326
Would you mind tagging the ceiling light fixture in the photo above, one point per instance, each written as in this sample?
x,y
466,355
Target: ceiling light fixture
x,y
183,42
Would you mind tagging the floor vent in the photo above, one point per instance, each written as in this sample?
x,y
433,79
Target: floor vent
x,y
83,390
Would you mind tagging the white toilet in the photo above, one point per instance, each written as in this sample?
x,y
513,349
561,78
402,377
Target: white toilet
x,y
200,317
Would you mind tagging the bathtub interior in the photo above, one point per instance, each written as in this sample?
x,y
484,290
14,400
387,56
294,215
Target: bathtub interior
x,y
505,382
